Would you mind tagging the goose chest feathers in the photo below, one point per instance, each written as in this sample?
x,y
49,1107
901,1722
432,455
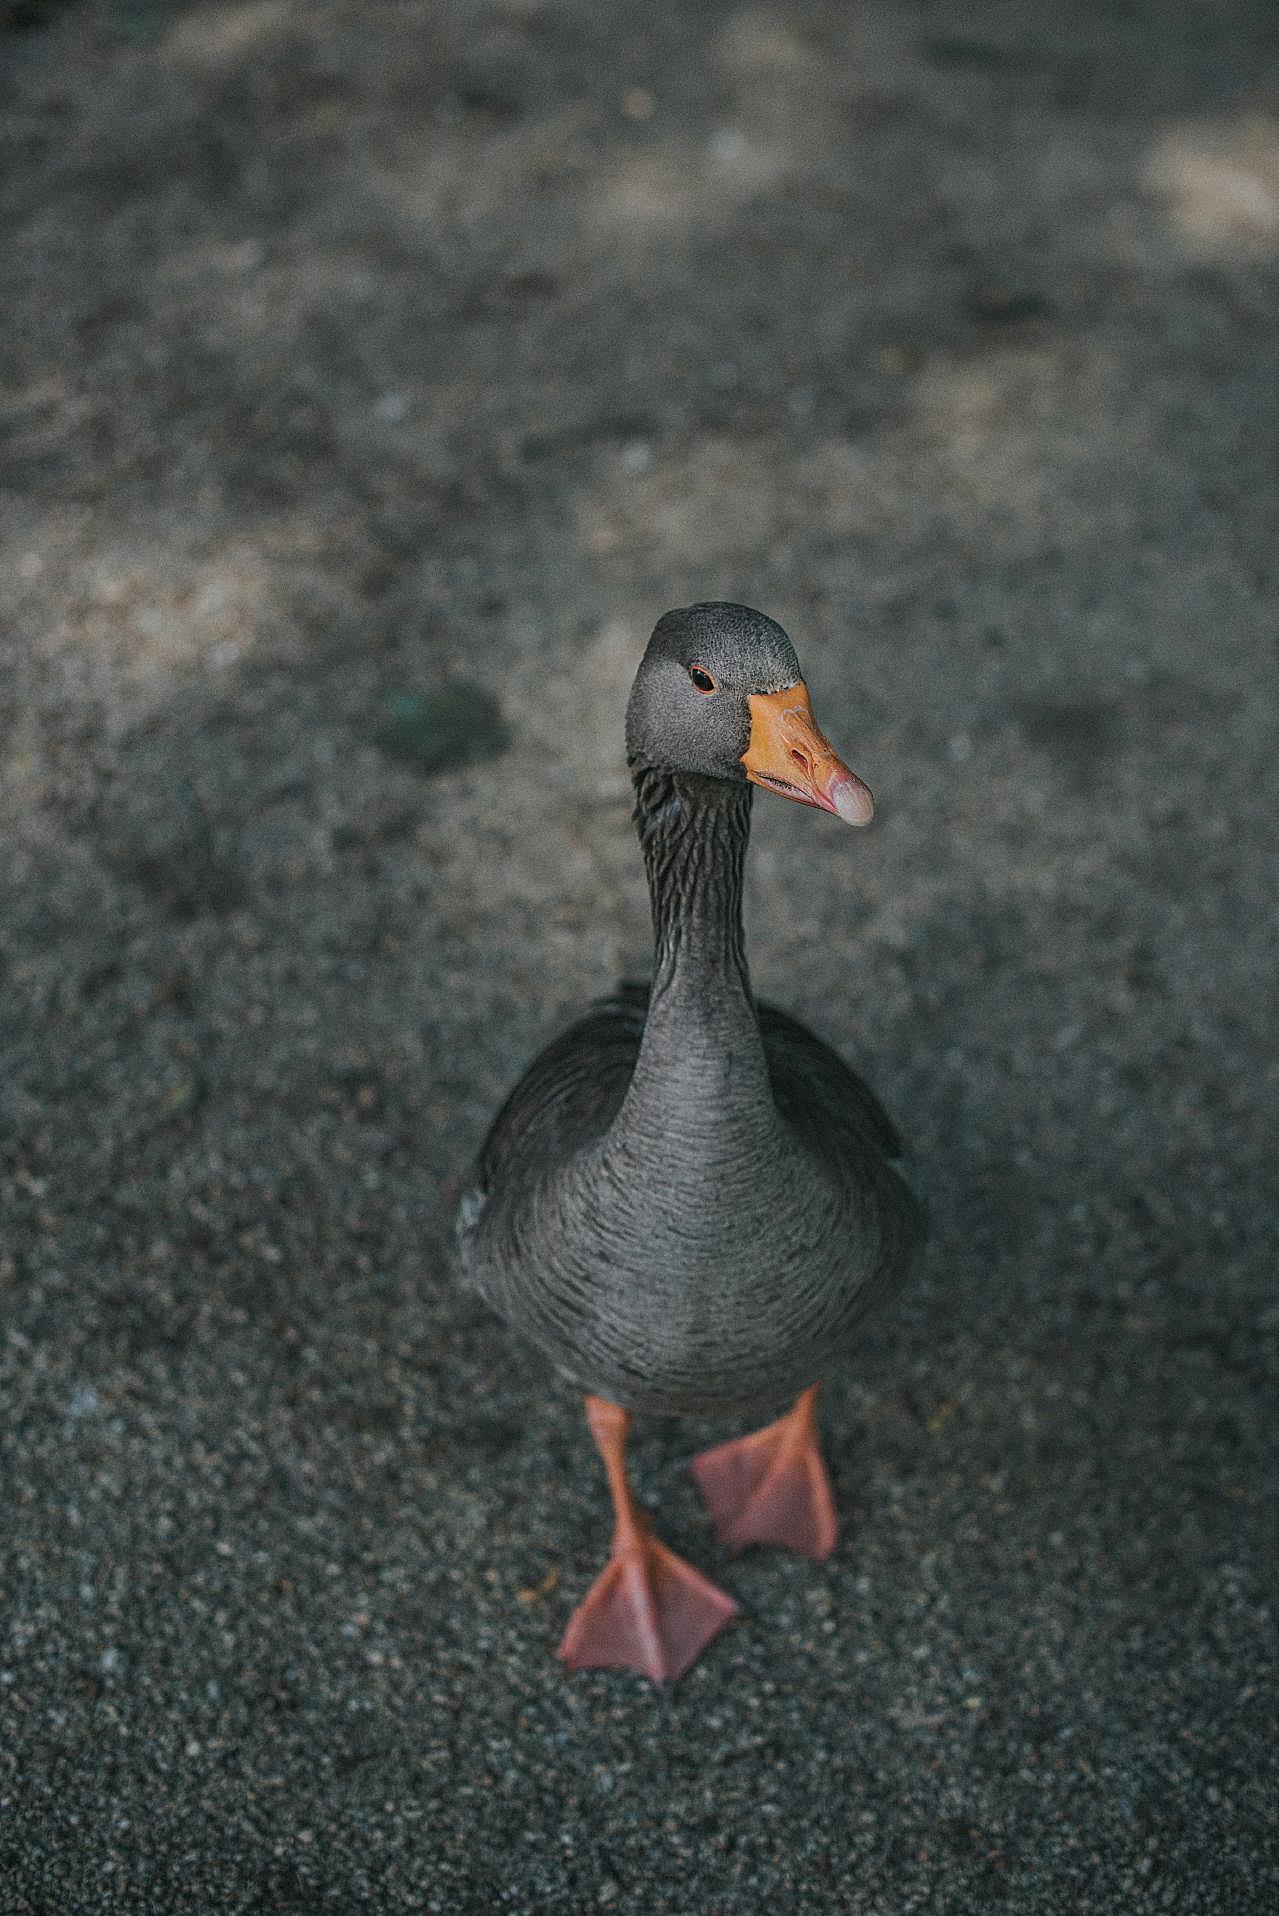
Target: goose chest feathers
x,y
689,1203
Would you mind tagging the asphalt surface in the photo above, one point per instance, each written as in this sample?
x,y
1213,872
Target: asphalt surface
x,y
353,349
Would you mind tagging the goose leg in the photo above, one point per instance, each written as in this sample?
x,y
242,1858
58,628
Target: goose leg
x,y
772,1486
648,1610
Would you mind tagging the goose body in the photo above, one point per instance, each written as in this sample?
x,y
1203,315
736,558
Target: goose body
x,y
692,1222
689,1203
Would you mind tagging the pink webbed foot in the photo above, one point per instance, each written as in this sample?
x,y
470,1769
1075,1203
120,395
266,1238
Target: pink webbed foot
x,y
648,1610
772,1486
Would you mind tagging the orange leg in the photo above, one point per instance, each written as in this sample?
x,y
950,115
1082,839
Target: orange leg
x,y
648,1610
772,1487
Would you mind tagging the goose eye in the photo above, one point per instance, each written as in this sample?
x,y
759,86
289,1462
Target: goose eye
x,y
702,680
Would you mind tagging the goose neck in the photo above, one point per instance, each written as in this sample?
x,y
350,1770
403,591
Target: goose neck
x,y
694,833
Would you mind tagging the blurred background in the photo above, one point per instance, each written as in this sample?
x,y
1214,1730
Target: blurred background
x,y
374,376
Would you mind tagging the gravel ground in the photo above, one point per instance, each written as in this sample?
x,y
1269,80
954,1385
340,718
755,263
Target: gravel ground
x,y
350,349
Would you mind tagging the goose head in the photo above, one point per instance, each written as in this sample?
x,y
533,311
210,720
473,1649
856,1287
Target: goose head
x,y
719,694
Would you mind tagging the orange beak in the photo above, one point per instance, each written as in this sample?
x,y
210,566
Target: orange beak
x,y
788,754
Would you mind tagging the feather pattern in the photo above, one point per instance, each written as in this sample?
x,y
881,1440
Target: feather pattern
x,y
689,1202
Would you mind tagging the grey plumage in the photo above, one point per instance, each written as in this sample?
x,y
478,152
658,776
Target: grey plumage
x,y
688,1202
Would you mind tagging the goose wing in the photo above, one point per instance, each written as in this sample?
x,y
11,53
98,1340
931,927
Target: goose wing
x,y
567,1098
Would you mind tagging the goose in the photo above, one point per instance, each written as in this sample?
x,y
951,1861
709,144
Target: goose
x,y
689,1204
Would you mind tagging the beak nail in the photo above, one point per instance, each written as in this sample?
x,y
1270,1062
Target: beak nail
x,y
852,801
